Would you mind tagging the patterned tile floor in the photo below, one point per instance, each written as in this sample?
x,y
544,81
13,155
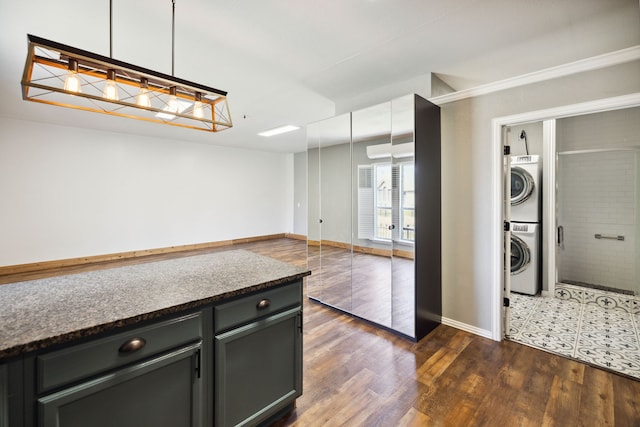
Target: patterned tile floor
x,y
598,327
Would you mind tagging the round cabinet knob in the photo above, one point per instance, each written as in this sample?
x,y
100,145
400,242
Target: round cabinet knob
x,y
134,344
263,304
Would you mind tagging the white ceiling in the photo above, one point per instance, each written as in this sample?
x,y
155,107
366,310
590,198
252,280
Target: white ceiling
x,y
299,61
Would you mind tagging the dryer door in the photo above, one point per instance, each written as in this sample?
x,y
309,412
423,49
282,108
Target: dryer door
x,y
522,185
520,255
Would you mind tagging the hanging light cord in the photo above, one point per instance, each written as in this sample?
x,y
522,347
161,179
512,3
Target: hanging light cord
x,y
110,28
173,36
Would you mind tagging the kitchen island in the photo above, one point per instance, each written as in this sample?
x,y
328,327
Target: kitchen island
x,y
205,325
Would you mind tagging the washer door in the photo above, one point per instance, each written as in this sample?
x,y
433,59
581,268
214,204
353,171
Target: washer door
x,y
520,255
522,185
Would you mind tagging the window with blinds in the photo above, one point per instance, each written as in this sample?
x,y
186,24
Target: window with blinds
x,y
365,202
407,203
386,197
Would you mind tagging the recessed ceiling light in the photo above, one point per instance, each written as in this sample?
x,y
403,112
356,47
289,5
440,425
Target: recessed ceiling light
x,y
279,130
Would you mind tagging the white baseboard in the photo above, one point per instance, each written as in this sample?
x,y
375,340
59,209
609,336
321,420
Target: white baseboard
x,y
467,328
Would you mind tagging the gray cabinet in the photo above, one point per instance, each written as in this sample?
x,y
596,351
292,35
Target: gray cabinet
x,y
4,396
162,391
238,362
5,401
11,394
150,375
258,356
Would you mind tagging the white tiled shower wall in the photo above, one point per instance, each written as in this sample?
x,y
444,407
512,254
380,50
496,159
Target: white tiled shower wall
x,y
597,194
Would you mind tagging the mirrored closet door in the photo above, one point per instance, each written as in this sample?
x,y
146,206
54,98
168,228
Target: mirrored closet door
x,y
329,207
365,198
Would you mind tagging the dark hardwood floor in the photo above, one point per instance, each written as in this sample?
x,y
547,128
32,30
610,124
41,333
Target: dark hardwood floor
x,y
358,375
361,283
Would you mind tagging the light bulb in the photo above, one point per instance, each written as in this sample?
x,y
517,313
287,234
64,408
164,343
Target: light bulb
x,y
110,89
72,82
198,110
172,105
143,99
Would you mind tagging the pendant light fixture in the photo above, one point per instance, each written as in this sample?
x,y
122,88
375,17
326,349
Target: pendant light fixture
x,y
62,75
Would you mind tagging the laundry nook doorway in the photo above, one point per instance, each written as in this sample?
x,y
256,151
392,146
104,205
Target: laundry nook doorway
x,y
560,308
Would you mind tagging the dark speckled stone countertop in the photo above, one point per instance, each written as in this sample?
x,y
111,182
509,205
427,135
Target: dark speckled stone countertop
x,y
41,313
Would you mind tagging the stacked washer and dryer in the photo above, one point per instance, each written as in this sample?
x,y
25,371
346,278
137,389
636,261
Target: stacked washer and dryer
x,y
526,224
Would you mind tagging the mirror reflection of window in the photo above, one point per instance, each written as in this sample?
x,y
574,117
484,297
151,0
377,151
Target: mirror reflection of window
x,y
383,201
388,180
407,203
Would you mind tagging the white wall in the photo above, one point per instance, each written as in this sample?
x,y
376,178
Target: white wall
x,y
69,192
300,213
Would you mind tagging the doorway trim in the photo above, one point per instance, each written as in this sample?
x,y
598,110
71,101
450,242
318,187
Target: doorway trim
x,y
550,114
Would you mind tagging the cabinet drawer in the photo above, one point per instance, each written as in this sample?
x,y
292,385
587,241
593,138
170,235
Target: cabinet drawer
x,y
256,305
80,361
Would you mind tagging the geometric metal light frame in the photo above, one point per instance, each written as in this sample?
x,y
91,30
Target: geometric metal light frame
x,y
171,101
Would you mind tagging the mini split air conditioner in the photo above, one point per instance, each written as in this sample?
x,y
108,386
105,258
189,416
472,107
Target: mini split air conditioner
x,y
397,151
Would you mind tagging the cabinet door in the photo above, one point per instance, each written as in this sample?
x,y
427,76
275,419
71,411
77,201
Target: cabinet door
x,y
11,394
403,305
258,369
329,224
163,391
373,213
